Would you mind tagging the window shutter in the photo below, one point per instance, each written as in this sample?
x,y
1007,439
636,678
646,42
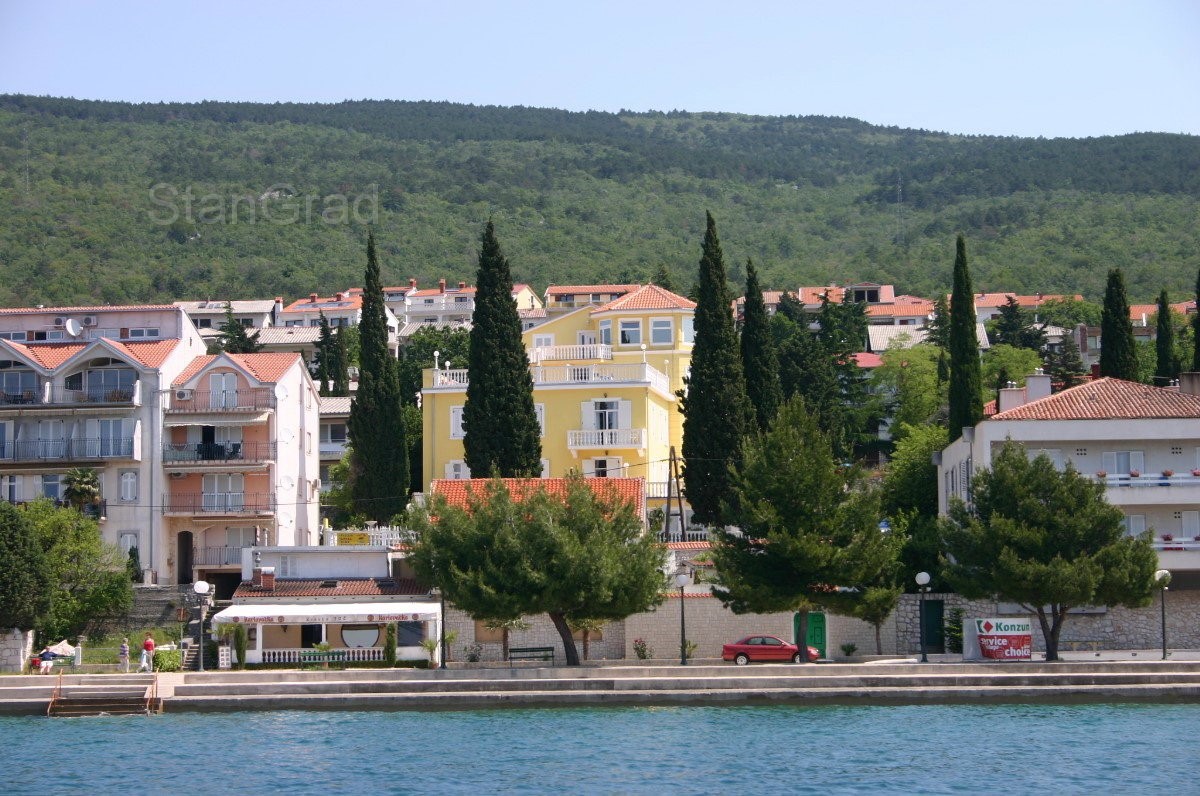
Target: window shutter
x,y
625,414
456,424
1191,523
1137,461
589,468
1136,524
1109,460
588,415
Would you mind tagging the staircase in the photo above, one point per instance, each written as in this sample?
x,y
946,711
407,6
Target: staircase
x,y
105,695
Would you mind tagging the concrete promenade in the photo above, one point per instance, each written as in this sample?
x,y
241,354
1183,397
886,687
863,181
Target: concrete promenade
x,y
1111,676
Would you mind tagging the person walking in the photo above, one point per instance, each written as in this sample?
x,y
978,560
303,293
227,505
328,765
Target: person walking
x,y
147,662
123,656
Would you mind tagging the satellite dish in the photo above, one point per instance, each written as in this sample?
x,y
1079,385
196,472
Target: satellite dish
x,y
72,327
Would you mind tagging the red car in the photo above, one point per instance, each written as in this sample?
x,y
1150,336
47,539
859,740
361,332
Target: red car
x,y
762,647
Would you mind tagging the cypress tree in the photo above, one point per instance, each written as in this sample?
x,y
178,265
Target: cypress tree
x,y
966,400
937,327
501,435
1118,352
717,413
1065,365
324,353
25,577
1168,362
339,365
234,338
760,361
379,451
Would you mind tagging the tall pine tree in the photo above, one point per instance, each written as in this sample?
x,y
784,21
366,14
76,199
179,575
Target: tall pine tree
x,y
233,337
760,361
1118,351
1167,365
324,353
379,452
717,413
966,399
501,435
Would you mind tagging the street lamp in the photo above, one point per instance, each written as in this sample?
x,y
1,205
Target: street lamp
x,y
201,588
1163,577
442,628
681,580
922,589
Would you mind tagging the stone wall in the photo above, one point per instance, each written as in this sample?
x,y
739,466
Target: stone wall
x,y
16,648
709,625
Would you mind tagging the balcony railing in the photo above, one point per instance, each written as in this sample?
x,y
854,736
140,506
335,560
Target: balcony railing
x,y
570,352
607,438
294,655
62,396
255,398
572,374
218,502
217,556
1148,479
379,536
218,452
76,449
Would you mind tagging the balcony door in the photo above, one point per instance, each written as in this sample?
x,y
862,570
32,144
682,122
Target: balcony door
x,y
51,443
223,492
224,390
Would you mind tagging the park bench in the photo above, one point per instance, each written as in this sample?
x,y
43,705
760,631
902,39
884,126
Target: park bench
x,y
322,656
59,662
530,654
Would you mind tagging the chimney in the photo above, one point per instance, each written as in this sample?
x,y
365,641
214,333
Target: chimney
x,y
1189,383
412,284
277,311
462,285
312,298
1037,386
441,285
1010,397
264,578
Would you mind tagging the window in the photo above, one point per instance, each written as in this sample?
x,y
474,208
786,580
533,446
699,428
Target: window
x,y
457,470
660,331
1135,524
456,422
545,468
333,433
410,634
868,295
240,537
140,334
605,332
607,414
288,567
631,332
10,488
608,467
1123,461
689,329
52,486
129,485
543,340
488,635
127,540
204,323
1053,454
308,442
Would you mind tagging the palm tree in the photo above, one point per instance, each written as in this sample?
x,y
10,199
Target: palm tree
x,y
82,487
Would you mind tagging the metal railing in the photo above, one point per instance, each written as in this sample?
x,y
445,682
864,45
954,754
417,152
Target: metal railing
x,y
219,452
217,556
1148,479
607,438
185,400
218,502
120,396
379,536
31,450
1171,541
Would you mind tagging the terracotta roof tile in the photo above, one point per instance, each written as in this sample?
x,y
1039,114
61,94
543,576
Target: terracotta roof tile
x,y
348,301
569,290
346,587
49,356
813,295
1108,399
1000,299
648,297
1136,311
263,367
906,309
150,354
866,359
628,490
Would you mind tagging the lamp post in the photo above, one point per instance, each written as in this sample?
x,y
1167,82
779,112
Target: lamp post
x,y
922,589
1163,577
201,588
681,580
442,628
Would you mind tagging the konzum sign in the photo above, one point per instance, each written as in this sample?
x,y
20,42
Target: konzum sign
x,y
1005,639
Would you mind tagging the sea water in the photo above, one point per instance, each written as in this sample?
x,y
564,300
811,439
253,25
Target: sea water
x,y
1044,749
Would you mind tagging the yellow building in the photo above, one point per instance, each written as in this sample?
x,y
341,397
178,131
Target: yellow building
x,y
604,383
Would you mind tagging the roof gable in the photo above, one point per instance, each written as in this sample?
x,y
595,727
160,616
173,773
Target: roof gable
x,y
647,297
1108,399
265,368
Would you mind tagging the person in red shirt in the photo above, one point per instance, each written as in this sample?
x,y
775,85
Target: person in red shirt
x,y
147,662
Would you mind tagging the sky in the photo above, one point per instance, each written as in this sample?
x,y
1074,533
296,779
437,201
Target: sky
x,y
1048,68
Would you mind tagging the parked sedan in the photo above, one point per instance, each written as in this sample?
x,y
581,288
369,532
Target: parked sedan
x,y
764,648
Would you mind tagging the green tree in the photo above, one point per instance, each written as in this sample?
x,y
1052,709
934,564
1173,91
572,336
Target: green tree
x,y
662,278
716,412
1015,327
451,345
324,353
90,584
1014,363
133,565
233,337
966,393
581,556
1118,353
1168,365
916,396
1065,365
501,435
937,325
25,580
1046,540
81,487
809,530
1069,312
379,482
760,363
340,359
910,496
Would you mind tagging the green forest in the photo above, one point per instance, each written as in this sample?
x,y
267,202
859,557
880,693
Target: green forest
x,y
111,202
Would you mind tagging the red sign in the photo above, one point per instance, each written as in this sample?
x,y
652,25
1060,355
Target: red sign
x,y
1005,639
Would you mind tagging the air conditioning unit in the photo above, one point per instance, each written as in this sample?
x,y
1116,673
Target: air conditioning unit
x,y
89,320
60,320
176,475
184,395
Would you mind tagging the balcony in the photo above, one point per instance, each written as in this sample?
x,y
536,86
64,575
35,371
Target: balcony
x,y
637,373
570,352
217,556
93,511
214,503
588,439
49,397
1151,490
255,399
66,450
218,452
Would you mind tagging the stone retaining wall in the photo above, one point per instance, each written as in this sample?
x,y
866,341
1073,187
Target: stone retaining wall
x,y
16,648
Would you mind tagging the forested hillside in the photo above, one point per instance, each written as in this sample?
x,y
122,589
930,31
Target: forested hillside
x,y
112,202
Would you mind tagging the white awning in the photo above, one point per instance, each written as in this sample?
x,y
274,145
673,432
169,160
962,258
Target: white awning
x,y
216,419
328,613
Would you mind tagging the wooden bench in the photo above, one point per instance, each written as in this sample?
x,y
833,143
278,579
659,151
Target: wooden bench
x,y
530,654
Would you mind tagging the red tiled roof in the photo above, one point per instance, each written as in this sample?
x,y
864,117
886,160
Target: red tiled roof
x,y
1000,299
866,359
628,490
265,368
989,408
813,295
346,587
54,355
1109,399
99,308
51,355
435,291
770,298
906,310
152,355
1136,311
648,297
350,300
610,290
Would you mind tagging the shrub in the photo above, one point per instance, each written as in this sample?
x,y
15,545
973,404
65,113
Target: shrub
x,y
849,649
389,645
641,650
954,630
239,644
474,653
168,660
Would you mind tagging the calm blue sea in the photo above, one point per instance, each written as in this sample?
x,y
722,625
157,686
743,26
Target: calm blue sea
x,y
1051,749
